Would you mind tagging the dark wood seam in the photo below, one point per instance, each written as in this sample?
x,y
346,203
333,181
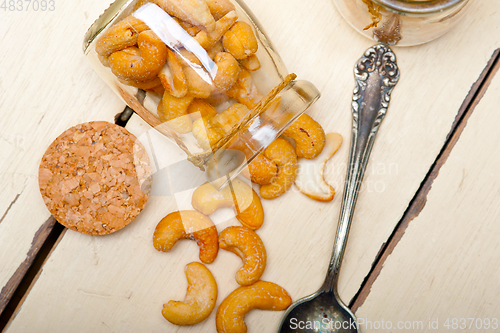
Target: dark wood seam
x,y
419,201
38,240
33,282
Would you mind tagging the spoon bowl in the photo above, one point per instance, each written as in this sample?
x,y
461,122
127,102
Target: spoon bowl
x,y
319,312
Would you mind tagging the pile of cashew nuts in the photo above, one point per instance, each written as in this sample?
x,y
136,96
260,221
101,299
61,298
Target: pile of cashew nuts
x,y
139,58
243,241
276,169
210,111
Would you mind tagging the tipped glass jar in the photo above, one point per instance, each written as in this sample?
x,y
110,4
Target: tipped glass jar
x,y
202,72
403,22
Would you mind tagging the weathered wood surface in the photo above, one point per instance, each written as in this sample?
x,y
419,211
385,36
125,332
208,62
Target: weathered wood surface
x,y
118,282
444,269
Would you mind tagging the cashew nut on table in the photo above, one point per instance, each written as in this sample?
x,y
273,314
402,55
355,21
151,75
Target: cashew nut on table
x,y
239,195
261,295
282,153
247,245
200,299
310,176
188,224
309,136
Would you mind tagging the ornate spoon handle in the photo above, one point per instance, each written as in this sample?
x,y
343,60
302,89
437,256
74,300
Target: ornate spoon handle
x,y
376,74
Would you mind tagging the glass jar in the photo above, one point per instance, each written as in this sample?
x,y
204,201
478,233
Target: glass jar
x,y
207,75
402,22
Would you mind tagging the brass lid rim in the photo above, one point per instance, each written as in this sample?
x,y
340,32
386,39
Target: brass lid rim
x,y
418,7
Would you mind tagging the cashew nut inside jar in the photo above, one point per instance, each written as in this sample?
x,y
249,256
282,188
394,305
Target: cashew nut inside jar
x,y
403,22
197,71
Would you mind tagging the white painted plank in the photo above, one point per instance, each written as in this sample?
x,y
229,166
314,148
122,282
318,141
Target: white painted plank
x,y
446,264
313,40
46,86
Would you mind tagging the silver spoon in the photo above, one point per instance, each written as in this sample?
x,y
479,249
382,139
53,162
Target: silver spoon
x,y
376,74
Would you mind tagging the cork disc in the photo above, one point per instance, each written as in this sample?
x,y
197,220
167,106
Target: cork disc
x,y
94,178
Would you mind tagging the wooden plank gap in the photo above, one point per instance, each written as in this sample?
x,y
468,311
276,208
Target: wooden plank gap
x,y
8,291
123,117
31,277
418,202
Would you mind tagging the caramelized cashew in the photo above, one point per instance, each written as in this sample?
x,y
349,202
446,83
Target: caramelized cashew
x,y
250,63
247,245
188,224
230,117
140,64
195,12
208,130
206,133
246,203
172,76
219,8
214,50
244,90
197,86
175,111
240,40
199,107
262,171
261,295
282,153
208,39
120,36
228,71
146,85
309,136
200,299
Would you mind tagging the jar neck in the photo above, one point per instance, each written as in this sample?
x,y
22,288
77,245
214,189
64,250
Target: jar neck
x,y
418,7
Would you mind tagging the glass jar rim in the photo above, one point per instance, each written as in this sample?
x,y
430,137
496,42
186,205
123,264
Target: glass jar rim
x,y
418,7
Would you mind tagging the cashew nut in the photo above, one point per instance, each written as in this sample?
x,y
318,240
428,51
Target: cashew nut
x,y
200,299
192,30
174,111
187,224
214,50
248,207
244,90
140,64
197,86
261,295
208,130
120,36
195,12
282,153
208,39
219,8
228,71
199,107
206,133
250,63
230,117
262,171
146,85
310,176
172,76
247,245
309,136
240,40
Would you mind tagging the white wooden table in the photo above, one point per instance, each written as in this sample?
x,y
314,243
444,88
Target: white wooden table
x,y
423,248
